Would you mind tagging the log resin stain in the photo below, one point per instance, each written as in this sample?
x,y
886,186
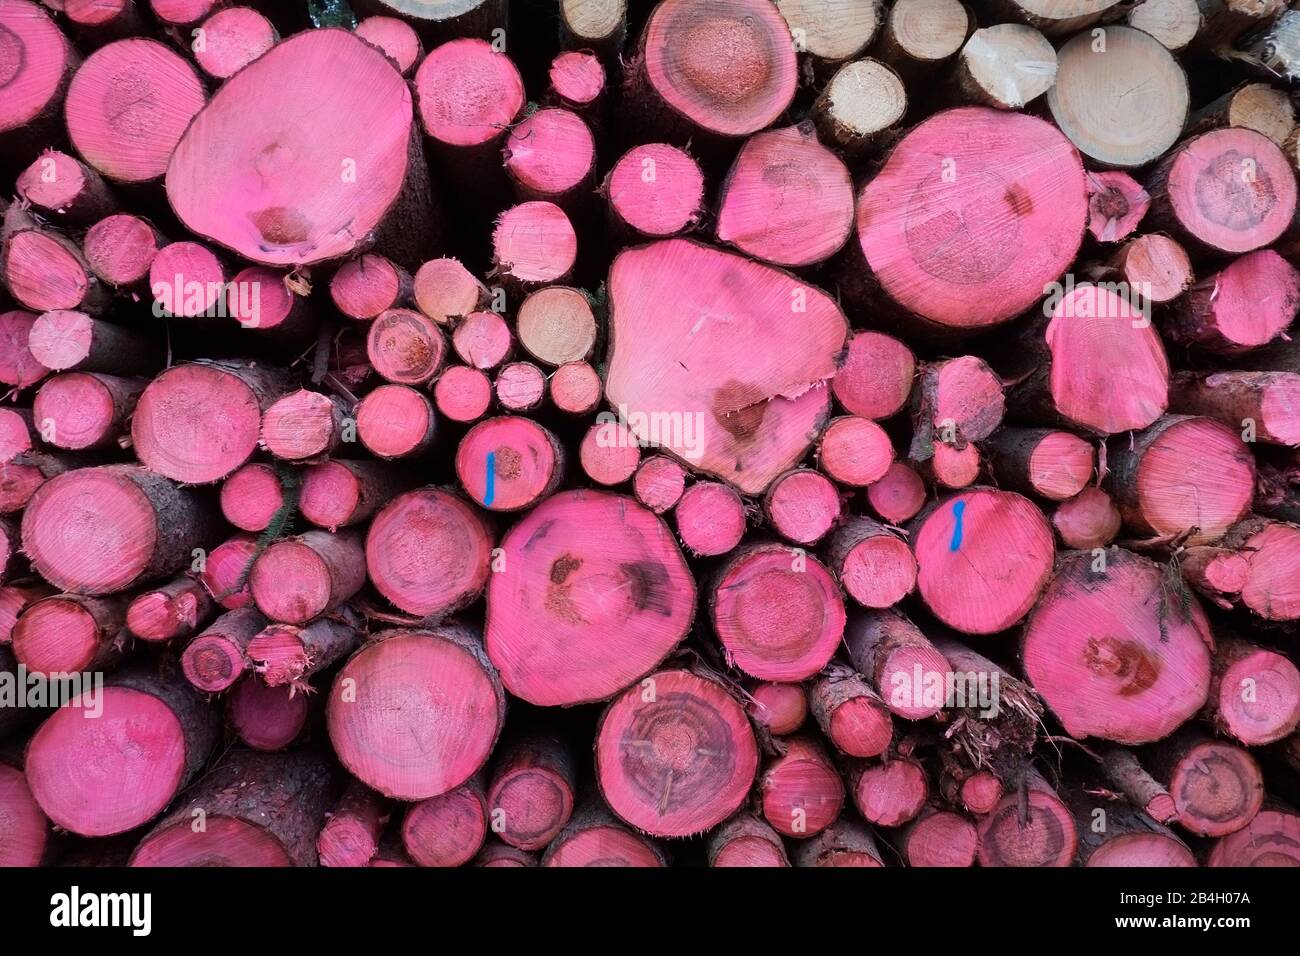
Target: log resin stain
x,y
1125,660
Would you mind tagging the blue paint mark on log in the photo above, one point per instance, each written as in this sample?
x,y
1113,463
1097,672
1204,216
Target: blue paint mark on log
x,y
490,491
958,509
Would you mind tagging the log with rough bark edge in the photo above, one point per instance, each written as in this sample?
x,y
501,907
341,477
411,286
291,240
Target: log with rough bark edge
x,y
778,613
447,829
99,777
520,386
982,559
1256,106
890,793
1272,548
1092,331
898,495
1244,306
303,426
1225,191
556,325
18,367
876,377
266,718
1005,66
534,243
708,71
357,181
850,713
1126,774
1029,828
24,475
15,432
428,552
483,340
1268,401
609,453
1121,654
65,634
23,827
1273,50
787,199
531,792
174,610
1218,574
1268,840
1093,99
226,568
463,394
1217,786
659,483
187,280
859,108
396,421
551,155
79,411
1156,265
352,830
251,496
1255,693
258,811
802,505
341,493
406,347
286,654
956,401
12,563
939,837
919,35
575,388
64,339
675,754
1116,204
65,190
854,451
1185,476
396,38
102,530
654,190
1088,520
578,83
778,709
451,711
43,269
598,25
952,467
898,660
846,842
1175,23
976,791
441,19
181,13
508,463
973,249
1054,464
746,841
300,578
595,837
14,599
120,249
830,33
128,106
198,422
270,303
1112,833
369,285
593,577
1057,18
873,564
216,658
232,38
40,62
801,791
495,853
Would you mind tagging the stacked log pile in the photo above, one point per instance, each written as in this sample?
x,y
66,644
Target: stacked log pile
x,y
716,432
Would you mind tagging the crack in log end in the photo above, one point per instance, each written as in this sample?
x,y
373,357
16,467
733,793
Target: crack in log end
x,y
677,751
539,535
739,408
1125,660
281,226
563,566
650,587
1040,839
1019,200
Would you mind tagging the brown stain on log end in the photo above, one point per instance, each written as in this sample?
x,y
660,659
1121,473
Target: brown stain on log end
x,y
1018,199
281,226
563,566
1124,659
506,462
650,587
739,408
